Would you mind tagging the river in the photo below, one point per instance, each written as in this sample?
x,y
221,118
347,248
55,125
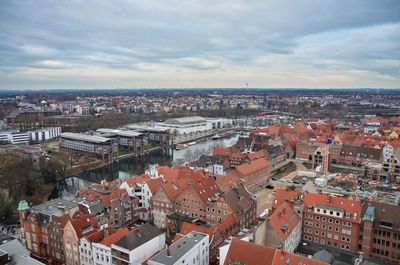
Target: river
x,y
134,166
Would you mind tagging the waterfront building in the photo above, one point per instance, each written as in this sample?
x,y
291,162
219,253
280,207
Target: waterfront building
x,y
96,145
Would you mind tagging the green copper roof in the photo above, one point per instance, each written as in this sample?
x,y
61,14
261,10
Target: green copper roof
x,y
23,206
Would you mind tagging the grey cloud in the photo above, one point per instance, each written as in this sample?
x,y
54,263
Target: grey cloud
x,y
200,35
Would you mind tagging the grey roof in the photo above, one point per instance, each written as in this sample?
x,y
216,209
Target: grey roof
x,y
123,133
361,151
179,248
53,207
273,150
84,137
186,120
138,237
324,256
18,253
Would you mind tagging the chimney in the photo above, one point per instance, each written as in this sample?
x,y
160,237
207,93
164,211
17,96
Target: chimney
x,y
168,251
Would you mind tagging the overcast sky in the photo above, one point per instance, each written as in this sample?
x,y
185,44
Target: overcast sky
x,y
205,43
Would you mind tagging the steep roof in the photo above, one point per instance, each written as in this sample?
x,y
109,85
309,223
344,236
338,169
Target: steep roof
x,y
238,199
114,237
284,220
257,155
252,166
283,195
243,252
84,224
99,234
206,189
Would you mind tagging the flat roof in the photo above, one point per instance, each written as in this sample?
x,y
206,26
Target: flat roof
x,y
179,248
45,129
145,128
84,137
186,120
53,207
123,133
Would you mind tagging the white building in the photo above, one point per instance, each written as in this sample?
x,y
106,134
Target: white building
x,y
102,250
192,249
85,252
44,134
19,138
391,163
144,188
138,245
14,137
193,124
185,125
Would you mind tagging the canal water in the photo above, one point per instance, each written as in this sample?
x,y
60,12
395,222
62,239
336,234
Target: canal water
x,y
134,166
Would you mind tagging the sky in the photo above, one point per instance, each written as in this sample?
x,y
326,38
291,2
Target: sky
x,y
98,44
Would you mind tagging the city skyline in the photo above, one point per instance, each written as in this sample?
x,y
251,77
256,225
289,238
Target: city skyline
x,y
140,44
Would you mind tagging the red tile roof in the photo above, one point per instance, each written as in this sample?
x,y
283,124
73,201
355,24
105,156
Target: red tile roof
x,y
283,195
83,221
348,205
284,220
257,155
114,237
132,182
243,252
252,166
99,235
206,189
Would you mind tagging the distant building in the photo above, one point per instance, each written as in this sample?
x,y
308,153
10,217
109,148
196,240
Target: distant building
x,y
14,137
96,145
193,248
391,163
44,134
185,125
255,174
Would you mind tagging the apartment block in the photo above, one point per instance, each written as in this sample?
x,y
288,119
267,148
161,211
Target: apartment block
x,y
332,221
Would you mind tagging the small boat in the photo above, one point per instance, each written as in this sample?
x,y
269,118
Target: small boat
x,y
181,146
227,134
192,143
216,137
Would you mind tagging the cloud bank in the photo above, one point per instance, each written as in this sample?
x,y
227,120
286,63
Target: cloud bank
x,y
156,44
